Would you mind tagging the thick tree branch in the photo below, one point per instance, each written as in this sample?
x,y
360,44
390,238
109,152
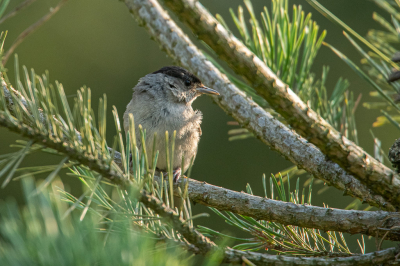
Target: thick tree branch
x,y
370,223
374,258
352,222
305,121
269,130
205,246
237,257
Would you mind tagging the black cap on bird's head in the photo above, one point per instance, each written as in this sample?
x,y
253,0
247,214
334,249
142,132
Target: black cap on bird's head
x,y
178,72
189,79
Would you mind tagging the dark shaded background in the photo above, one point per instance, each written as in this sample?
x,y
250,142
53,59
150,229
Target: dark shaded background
x,y
98,44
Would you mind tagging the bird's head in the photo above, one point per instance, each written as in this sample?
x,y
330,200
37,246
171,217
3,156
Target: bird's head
x,y
183,86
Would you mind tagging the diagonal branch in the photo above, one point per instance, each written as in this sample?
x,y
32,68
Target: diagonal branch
x,y
304,120
269,130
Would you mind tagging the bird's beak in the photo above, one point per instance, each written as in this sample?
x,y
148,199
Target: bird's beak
x,y
205,90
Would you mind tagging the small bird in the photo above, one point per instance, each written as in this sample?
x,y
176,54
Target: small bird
x,y
162,101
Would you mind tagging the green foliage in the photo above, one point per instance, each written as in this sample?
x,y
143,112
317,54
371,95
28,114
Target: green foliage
x,y
343,25
109,225
53,118
289,47
78,130
110,207
377,62
104,207
40,234
387,41
284,239
3,6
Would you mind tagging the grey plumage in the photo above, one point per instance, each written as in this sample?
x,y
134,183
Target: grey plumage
x,y
162,101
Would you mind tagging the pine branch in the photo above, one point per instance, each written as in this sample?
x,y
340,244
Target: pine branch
x,y
372,223
203,243
269,130
373,258
205,246
64,147
309,124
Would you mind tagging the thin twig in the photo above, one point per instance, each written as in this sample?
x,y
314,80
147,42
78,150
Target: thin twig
x,y
12,13
32,29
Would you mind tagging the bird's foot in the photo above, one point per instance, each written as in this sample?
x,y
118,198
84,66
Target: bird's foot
x,y
176,174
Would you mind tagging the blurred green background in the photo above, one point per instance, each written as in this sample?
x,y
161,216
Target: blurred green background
x,y
97,43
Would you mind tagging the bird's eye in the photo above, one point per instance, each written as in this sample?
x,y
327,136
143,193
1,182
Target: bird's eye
x,y
188,82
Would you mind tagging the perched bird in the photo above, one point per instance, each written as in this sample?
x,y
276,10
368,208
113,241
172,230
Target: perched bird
x,y
162,101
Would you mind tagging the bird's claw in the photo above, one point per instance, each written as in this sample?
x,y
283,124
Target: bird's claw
x,y
176,174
